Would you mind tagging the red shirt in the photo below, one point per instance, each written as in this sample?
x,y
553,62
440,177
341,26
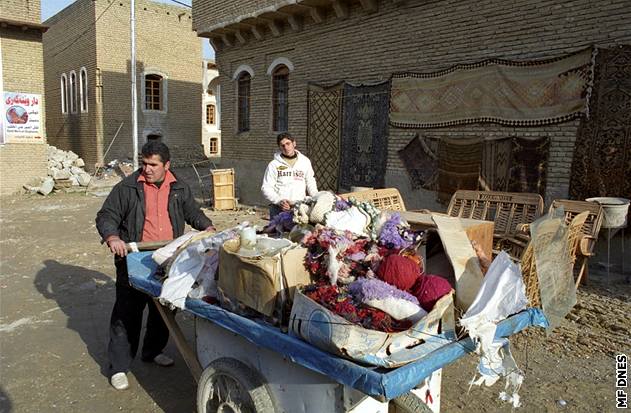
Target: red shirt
x,y
157,221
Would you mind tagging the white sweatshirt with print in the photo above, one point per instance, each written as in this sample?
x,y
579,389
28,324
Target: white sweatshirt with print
x,y
282,181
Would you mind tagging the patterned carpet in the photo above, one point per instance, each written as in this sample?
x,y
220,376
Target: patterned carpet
x,y
602,156
323,133
364,146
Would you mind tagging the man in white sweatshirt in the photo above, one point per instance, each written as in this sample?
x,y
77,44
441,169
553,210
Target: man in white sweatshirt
x,y
289,177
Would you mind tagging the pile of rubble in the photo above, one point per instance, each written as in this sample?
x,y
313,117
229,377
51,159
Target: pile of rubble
x,y
66,165
65,170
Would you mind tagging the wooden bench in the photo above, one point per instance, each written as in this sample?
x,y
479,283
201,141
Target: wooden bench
x,y
508,210
388,198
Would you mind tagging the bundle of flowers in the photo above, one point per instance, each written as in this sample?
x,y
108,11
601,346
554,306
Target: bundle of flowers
x,y
339,301
398,304
282,222
337,256
395,235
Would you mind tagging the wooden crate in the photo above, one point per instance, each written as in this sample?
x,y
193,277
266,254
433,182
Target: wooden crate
x,y
223,189
388,198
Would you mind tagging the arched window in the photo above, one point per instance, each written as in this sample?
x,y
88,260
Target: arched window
x,y
153,92
73,92
243,109
83,89
210,114
64,93
280,98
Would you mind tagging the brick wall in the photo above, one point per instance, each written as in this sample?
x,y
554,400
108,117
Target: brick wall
x,y
22,71
212,12
69,45
165,43
21,10
414,36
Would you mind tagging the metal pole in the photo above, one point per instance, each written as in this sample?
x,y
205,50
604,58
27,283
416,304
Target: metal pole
x,y
134,99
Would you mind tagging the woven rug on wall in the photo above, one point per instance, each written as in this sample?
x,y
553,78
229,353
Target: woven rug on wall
x,y
601,165
524,93
364,145
458,166
529,165
495,169
324,132
420,159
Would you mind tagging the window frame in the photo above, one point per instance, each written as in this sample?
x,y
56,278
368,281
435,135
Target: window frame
x,y
83,90
244,101
149,77
63,86
73,92
280,98
213,109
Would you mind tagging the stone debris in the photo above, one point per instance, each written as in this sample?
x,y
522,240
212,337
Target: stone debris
x,y
65,169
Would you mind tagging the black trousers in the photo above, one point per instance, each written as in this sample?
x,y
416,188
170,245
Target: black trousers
x,y
126,324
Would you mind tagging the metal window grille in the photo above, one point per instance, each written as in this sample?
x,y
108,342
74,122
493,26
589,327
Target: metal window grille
x,y
243,114
280,99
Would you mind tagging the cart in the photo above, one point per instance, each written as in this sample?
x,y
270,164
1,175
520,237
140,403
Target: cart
x,y
247,365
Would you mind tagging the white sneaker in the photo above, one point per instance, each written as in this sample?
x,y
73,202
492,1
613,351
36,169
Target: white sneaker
x,y
119,381
163,360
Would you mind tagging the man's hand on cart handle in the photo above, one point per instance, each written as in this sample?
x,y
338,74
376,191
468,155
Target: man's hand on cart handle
x,y
116,245
211,228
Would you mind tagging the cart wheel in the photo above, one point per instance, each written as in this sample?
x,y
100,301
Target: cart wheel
x,y
229,386
409,403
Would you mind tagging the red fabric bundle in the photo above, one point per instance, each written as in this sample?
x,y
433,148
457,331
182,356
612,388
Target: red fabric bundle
x,y
399,271
429,289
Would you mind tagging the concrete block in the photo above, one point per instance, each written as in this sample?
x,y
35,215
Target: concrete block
x,y
47,186
84,179
61,174
79,163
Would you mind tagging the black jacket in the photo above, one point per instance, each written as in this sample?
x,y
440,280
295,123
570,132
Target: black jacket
x,y
123,212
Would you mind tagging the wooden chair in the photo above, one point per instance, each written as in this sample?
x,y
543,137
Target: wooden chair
x,y
388,198
585,245
528,264
508,210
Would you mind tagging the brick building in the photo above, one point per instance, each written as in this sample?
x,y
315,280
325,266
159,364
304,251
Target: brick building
x,y
211,107
87,77
298,43
22,131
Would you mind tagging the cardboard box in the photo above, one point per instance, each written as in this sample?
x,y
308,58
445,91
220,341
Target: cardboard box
x,y
317,325
263,282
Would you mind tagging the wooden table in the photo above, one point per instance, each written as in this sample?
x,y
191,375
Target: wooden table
x,y
477,230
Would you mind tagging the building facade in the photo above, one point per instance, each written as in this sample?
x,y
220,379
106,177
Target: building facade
x,y
211,109
87,76
22,118
269,53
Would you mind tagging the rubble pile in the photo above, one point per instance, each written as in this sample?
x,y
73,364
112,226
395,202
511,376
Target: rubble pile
x,y
65,170
66,165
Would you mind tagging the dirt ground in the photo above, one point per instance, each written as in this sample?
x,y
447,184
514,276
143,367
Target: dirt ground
x,y
57,290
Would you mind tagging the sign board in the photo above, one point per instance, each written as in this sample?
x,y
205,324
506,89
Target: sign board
x,y
22,117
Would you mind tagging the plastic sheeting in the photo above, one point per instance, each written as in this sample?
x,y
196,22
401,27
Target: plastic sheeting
x,y
502,293
554,267
376,382
198,261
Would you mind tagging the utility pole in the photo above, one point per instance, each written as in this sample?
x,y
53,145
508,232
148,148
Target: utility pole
x,y
134,99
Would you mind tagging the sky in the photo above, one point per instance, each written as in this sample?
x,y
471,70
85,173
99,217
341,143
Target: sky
x,y
51,7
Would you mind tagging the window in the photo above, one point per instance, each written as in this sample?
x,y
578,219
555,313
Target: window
x,y
210,114
83,89
213,148
153,92
243,110
73,92
280,99
64,93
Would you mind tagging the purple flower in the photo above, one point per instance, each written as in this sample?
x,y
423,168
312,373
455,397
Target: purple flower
x,y
282,222
341,205
374,289
389,235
